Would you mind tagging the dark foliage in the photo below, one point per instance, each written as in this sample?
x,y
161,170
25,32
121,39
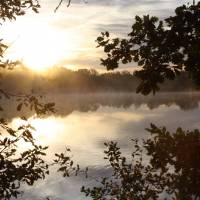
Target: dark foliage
x,y
166,164
22,160
10,9
174,159
19,166
162,49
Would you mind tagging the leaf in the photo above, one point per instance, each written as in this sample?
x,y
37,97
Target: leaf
x,y
11,132
19,107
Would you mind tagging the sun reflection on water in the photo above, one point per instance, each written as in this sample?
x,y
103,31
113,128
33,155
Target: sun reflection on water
x,y
46,129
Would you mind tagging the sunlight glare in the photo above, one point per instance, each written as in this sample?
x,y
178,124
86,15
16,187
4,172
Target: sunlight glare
x,y
46,129
45,50
39,46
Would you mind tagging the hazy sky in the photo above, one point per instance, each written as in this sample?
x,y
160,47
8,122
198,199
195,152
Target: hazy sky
x,y
67,37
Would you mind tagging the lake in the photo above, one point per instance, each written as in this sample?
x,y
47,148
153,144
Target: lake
x,y
84,122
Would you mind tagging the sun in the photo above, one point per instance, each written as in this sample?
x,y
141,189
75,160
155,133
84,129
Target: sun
x,y
39,44
44,50
40,56
41,47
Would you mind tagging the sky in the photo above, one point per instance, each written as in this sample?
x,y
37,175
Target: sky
x,y
67,38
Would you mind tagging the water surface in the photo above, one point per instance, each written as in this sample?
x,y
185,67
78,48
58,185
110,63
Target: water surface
x,y
85,122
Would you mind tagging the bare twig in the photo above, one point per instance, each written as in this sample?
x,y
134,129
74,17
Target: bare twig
x,y
68,4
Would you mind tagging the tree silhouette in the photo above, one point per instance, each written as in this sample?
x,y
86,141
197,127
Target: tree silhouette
x,y
24,165
173,158
10,9
162,49
165,166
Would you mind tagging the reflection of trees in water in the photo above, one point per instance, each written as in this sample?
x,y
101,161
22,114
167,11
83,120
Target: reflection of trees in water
x,y
92,102
66,104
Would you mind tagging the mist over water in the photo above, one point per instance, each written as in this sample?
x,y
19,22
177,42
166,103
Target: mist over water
x,y
84,122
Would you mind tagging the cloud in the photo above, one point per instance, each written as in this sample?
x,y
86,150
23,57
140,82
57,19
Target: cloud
x,y
121,3
77,27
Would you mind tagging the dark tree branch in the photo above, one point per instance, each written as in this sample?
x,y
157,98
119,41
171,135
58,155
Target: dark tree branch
x,y
68,4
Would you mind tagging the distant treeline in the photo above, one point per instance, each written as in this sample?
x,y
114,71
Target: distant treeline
x,y
60,79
